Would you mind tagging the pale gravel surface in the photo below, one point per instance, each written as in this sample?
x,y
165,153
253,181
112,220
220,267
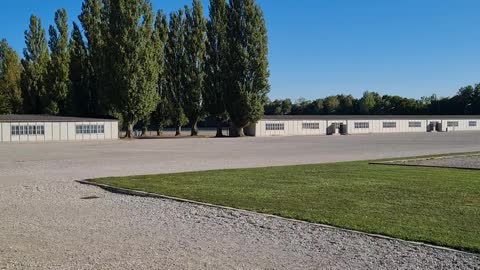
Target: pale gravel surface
x,y
45,225
466,162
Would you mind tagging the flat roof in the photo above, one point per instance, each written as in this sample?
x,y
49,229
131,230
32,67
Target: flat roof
x,y
369,117
49,118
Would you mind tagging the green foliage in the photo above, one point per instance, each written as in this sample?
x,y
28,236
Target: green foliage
x,y
346,105
432,205
10,73
467,101
35,68
278,107
58,71
194,72
94,24
175,62
133,59
216,65
368,103
161,117
248,77
332,104
80,96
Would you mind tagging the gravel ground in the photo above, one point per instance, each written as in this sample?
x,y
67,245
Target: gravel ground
x,y
461,162
45,223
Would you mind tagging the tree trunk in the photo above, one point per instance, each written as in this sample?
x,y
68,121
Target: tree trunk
x,y
178,131
239,132
219,128
194,131
144,131
159,132
236,131
129,134
219,132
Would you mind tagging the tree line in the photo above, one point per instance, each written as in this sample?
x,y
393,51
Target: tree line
x,y
142,67
466,101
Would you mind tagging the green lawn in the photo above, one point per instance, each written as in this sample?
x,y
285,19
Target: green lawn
x,y
439,206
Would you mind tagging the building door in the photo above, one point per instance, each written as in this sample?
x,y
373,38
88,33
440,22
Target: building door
x,y
432,126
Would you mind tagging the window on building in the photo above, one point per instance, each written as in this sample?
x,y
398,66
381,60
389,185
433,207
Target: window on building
x,y
415,124
89,129
275,126
28,130
389,124
362,125
452,124
472,123
311,125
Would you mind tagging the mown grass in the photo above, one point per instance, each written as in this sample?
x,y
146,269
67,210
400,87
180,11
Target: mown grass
x,y
432,205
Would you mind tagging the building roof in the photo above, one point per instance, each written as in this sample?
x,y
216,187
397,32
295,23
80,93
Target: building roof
x,y
369,117
49,118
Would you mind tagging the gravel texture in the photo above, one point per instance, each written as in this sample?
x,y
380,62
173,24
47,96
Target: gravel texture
x,y
461,162
48,221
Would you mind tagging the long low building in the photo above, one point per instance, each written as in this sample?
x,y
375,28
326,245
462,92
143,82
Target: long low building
x,y
291,125
45,128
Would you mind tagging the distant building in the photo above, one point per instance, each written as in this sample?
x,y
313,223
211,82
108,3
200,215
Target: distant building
x,y
45,128
291,125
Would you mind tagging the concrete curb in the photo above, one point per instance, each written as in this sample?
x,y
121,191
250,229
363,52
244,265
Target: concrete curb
x,y
137,193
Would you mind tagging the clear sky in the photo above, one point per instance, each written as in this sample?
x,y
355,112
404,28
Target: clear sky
x,y
411,48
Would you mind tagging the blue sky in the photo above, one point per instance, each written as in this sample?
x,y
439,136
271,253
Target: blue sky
x,y
317,48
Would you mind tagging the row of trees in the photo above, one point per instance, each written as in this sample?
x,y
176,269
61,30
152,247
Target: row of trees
x,y
142,67
466,101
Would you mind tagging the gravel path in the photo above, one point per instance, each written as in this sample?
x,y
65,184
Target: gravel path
x,y
45,223
466,162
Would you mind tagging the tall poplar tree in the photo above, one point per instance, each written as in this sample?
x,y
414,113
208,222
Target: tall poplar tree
x,y
216,65
10,72
58,78
248,76
80,98
132,56
175,59
35,66
94,25
195,51
161,116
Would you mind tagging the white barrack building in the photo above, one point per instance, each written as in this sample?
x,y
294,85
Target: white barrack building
x,y
45,128
291,125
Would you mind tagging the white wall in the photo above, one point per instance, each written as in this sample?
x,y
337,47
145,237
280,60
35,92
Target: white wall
x,y
291,128
71,131
5,132
59,131
294,127
55,131
376,126
114,131
48,132
64,131
463,125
